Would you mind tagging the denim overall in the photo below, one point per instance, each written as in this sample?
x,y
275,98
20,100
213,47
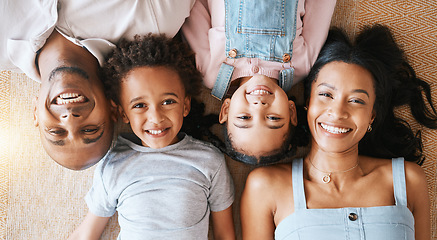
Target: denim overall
x,y
263,29
350,223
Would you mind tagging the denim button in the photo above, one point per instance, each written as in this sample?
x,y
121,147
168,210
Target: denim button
x,y
353,216
286,57
233,53
255,69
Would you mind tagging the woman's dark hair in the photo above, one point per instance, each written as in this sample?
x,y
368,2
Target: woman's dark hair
x,y
151,51
395,84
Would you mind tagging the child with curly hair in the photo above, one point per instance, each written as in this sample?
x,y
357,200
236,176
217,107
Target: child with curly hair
x,y
163,183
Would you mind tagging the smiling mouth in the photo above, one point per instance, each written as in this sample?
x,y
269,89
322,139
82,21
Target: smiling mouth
x,y
69,98
259,92
335,130
156,132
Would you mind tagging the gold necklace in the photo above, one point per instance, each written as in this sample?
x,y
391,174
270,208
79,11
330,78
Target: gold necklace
x,y
327,177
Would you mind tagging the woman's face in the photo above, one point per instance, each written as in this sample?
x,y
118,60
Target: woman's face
x,y
340,108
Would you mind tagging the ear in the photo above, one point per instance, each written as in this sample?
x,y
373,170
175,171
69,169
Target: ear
x,y
373,117
293,113
35,111
223,117
113,110
187,106
122,113
307,103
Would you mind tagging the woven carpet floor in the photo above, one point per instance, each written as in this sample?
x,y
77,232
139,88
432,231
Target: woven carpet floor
x,y
41,200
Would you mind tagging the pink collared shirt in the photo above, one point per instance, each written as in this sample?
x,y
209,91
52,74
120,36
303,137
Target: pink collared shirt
x,y
205,32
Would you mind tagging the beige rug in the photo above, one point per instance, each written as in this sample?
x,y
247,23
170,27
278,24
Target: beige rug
x,y
41,200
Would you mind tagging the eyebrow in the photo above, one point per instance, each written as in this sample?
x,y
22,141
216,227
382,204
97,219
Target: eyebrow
x,y
85,140
76,70
361,91
334,88
141,97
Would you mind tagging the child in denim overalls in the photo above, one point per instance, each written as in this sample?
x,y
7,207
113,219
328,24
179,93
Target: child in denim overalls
x,y
235,41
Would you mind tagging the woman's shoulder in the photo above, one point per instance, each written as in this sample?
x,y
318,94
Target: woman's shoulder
x,y
414,174
268,178
372,164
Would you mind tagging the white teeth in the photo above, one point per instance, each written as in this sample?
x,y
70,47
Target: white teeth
x,y
155,132
259,92
334,130
67,98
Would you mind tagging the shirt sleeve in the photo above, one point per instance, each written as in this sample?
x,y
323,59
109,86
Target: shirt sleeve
x,y
98,199
222,188
204,31
316,22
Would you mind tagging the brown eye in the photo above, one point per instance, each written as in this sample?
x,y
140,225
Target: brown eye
x,y
139,105
244,117
168,102
273,118
90,130
56,131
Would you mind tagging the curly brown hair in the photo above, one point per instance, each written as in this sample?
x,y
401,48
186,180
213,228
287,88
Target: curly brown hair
x,y
151,50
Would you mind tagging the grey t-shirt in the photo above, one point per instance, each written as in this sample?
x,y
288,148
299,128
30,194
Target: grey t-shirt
x,y
164,193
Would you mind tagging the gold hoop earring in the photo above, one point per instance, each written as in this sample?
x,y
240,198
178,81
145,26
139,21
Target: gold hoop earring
x,y
369,128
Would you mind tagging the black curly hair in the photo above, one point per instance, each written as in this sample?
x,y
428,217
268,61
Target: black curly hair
x,y
151,50
395,83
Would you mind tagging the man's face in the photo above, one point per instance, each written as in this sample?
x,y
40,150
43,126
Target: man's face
x,y
258,116
74,118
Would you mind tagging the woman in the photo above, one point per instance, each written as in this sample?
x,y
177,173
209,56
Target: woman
x,y
347,187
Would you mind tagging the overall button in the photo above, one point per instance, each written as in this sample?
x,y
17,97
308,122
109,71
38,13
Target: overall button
x,y
353,216
232,53
286,57
255,69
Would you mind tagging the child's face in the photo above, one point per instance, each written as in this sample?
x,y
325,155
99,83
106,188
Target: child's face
x,y
153,101
258,116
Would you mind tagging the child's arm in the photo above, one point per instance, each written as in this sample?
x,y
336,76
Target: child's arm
x,y
204,31
91,228
223,224
418,200
315,27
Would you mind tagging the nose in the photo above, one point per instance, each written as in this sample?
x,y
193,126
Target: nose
x,y
258,101
70,115
154,115
338,111
70,118
73,112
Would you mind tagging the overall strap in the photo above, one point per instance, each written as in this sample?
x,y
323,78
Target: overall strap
x,y
399,184
223,81
285,80
298,188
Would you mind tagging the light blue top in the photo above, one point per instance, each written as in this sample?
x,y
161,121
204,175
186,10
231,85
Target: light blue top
x,y
372,223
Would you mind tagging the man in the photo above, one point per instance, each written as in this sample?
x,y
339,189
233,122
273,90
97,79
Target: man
x,y
60,44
